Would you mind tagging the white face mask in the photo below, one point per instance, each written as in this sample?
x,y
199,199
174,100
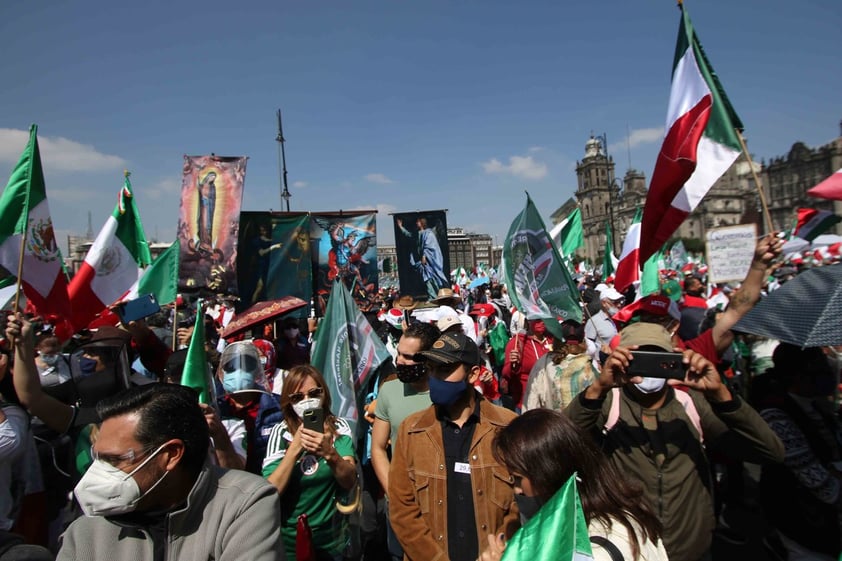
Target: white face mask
x,y
651,385
105,490
306,405
50,360
291,332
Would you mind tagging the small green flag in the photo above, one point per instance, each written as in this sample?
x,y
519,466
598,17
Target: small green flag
x,y
557,532
572,235
650,281
609,262
161,278
195,374
498,337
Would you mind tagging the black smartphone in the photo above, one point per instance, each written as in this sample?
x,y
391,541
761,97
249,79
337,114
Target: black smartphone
x,y
314,419
143,306
654,364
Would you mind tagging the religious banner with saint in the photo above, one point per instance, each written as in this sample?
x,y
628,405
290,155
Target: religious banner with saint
x,y
422,253
208,222
273,257
344,246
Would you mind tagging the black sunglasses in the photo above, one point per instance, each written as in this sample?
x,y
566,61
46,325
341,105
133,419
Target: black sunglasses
x,y
312,394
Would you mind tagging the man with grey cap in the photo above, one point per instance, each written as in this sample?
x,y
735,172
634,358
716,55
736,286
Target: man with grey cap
x,y
600,328
657,434
446,490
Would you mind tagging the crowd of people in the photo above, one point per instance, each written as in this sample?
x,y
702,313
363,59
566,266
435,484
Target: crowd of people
x,y
479,419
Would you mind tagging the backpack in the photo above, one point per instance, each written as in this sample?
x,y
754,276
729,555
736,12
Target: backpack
x,y
683,398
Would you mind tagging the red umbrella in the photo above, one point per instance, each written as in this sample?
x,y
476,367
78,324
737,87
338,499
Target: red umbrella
x,y
261,313
830,188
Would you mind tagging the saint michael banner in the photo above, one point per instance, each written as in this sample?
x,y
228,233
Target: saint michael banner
x,y
208,222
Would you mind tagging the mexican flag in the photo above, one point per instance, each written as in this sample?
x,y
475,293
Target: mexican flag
x,y
160,278
628,269
701,142
346,351
609,262
113,263
557,532
25,218
813,222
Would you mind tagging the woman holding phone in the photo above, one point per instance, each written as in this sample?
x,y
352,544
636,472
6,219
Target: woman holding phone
x,y
309,460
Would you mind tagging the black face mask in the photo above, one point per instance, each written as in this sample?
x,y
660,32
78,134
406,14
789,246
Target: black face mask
x,y
528,507
409,373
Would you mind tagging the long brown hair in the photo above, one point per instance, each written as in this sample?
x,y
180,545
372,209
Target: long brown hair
x,y
548,448
293,381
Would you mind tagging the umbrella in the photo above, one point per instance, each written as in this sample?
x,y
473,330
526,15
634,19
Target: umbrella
x,y
262,312
805,311
830,188
477,282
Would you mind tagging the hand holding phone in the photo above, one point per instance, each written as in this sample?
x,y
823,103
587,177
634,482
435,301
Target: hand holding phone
x,y
654,364
314,420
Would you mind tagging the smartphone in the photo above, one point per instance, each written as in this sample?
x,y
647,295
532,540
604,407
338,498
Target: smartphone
x,y
314,419
653,364
143,306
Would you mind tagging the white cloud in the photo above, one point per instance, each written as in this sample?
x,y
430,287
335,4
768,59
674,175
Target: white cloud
x,y
299,184
57,153
167,188
524,167
637,138
534,149
378,178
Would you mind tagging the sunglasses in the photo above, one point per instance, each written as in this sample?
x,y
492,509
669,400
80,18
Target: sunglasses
x,y
312,394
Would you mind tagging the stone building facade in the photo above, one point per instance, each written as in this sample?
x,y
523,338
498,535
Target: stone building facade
x,y
732,200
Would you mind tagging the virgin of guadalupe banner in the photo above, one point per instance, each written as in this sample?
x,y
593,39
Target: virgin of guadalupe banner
x,y
422,252
273,257
344,247
208,222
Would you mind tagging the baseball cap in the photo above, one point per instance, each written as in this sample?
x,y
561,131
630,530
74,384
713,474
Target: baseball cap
x,y
447,321
643,334
609,294
453,348
656,304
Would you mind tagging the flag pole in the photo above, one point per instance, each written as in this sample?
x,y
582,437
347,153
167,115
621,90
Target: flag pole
x,y
766,215
175,323
16,307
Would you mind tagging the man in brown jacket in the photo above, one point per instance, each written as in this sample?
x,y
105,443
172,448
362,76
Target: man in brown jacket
x,y
446,491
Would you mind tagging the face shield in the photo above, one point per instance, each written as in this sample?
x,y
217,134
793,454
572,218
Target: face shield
x,y
240,369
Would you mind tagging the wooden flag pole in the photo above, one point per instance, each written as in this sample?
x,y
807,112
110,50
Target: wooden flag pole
x,y
16,307
766,215
175,324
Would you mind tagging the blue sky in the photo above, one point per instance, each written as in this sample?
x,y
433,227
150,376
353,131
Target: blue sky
x,y
397,106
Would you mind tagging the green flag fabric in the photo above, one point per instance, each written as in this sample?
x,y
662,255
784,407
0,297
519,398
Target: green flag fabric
x,y
557,532
572,235
497,338
195,374
608,259
346,351
160,278
650,282
540,285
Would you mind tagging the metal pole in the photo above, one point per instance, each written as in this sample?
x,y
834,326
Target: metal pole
x,y
282,160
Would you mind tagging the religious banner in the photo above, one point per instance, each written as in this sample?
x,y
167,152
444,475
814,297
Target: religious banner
x,y
273,257
208,221
344,246
422,253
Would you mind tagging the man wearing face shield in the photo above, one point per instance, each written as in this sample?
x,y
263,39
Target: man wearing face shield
x,y
447,492
654,433
150,493
245,395
396,400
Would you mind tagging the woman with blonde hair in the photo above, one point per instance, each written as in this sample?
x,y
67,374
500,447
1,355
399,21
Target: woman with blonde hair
x,y
309,463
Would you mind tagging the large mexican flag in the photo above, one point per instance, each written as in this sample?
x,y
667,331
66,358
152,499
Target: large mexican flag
x,y
25,217
701,142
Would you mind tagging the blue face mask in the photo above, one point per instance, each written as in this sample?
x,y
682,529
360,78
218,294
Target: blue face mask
x,y
238,380
87,365
446,393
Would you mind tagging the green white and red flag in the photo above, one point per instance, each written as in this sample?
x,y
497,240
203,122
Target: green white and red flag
x,y
700,145
813,222
25,218
113,263
628,268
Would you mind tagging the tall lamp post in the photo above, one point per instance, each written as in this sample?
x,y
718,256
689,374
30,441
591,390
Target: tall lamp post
x,y
612,183
282,161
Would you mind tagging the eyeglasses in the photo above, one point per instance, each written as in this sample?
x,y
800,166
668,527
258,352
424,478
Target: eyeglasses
x,y
312,394
116,459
